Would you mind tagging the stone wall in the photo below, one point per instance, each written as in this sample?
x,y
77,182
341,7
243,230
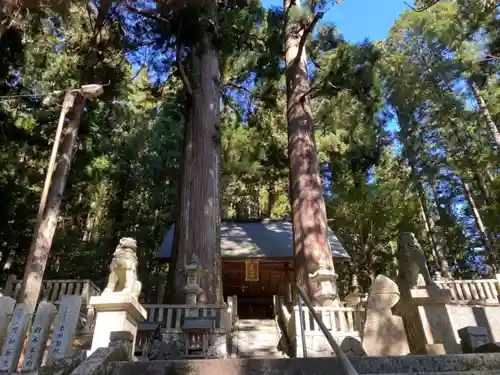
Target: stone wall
x,y
481,316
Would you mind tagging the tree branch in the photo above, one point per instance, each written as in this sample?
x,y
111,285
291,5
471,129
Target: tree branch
x,y
238,87
151,14
307,31
423,7
227,102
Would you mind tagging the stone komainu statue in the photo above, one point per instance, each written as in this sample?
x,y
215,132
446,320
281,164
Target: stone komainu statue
x,y
123,269
411,263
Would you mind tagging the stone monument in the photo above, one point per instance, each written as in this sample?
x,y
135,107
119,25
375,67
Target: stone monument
x,y
118,308
422,306
383,295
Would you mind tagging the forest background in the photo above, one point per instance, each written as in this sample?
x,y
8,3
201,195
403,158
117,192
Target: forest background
x,y
406,129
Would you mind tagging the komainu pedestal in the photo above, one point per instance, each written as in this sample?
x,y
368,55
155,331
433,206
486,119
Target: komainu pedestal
x,y
118,308
115,312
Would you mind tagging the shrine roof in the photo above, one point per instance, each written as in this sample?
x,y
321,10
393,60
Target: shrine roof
x,y
255,239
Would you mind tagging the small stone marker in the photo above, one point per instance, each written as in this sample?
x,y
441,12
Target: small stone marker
x,y
14,343
490,347
35,348
6,307
472,337
352,347
64,328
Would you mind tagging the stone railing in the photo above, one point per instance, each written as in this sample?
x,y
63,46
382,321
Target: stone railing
x,y
340,321
171,319
481,291
53,290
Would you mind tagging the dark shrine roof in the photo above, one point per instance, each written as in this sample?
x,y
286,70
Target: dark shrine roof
x,y
255,239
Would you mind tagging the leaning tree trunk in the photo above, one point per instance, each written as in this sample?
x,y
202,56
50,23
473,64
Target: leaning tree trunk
x,y
310,241
40,249
200,199
486,113
39,253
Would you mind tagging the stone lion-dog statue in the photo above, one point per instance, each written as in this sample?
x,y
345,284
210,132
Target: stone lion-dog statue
x,y
123,269
411,263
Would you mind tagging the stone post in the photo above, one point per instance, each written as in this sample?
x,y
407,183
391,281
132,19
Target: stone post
x,y
8,291
427,322
6,307
35,347
64,329
11,350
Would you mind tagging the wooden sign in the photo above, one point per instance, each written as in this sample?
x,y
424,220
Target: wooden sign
x,y
251,270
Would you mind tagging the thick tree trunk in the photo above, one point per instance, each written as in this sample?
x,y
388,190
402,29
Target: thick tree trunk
x,y
495,134
176,280
37,259
200,199
310,242
485,236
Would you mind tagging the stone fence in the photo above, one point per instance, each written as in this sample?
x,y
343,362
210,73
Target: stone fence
x,y
480,291
53,290
29,340
172,318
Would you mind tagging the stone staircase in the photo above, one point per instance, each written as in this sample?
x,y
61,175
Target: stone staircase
x,y
459,364
257,339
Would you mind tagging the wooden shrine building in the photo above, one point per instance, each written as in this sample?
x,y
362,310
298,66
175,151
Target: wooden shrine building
x,y
257,262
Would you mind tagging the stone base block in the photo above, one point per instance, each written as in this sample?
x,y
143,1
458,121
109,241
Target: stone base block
x,y
115,312
317,346
431,349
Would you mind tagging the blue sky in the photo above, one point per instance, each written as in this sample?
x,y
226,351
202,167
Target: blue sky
x,y
360,19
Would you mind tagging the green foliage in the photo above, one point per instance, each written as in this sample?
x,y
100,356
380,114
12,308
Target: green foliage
x,y
126,170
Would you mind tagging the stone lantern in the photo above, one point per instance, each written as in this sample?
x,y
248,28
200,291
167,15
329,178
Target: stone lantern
x,y
192,289
326,278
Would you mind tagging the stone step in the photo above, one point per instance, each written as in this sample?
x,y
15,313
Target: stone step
x,y
256,325
458,364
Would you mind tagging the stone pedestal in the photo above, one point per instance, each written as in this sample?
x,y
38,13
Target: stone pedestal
x,y
115,312
427,321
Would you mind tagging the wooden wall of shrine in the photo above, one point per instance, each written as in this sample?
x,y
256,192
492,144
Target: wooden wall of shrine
x,y
255,281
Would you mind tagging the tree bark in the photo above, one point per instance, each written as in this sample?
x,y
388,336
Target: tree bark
x,y
310,242
200,199
37,258
437,241
485,236
495,134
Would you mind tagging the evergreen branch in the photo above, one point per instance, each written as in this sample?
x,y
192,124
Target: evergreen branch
x,y
227,101
151,14
238,87
307,31
423,7
309,92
